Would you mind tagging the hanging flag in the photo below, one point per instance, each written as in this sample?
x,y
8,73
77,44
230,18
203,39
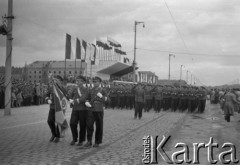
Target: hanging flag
x,y
68,47
120,51
78,49
107,46
93,57
60,101
84,44
112,42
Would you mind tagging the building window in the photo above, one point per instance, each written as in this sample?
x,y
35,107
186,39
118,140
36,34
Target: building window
x,y
59,72
30,72
70,72
30,81
30,76
40,76
35,72
54,72
49,72
75,72
40,72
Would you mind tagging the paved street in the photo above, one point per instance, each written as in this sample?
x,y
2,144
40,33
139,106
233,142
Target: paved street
x,y
25,136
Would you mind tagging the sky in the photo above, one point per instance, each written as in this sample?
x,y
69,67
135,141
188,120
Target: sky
x,y
203,35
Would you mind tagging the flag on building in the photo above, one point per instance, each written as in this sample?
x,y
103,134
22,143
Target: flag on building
x,y
60,107
84,44
78,49
68,47
112,42
93,57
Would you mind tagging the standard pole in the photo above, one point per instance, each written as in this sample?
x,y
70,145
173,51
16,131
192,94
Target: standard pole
x,y
169,68
191,79
75,69
134,60
8,62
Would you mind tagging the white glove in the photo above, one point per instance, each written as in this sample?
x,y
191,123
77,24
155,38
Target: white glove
x,y
78,100
70,101
99,95
49,102
88,104
105,98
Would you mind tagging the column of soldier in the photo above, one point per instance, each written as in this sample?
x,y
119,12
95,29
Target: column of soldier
x,y
88,103
158,97
23,93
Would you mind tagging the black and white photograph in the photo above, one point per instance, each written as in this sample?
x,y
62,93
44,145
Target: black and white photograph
x,y
119,82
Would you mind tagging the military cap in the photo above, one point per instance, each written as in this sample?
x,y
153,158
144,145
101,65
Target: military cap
x,y
82,78
58,77
97,79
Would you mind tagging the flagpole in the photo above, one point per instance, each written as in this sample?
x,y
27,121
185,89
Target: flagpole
x,y
65,68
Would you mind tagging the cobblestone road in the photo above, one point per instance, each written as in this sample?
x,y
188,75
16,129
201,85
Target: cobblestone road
x,y
25,134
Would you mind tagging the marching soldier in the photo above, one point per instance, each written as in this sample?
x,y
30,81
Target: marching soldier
x,y
95,114
139,100
147,98
113,96
78,97
51,116
174,99
202,100
158,98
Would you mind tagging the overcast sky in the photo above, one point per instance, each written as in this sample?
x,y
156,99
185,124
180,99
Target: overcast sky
x,y
204,35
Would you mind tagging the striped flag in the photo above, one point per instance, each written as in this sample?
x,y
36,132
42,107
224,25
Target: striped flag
x,y
60,107
78,49
84,44
68,47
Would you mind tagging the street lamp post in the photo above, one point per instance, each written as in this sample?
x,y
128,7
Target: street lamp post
x,y
135,37
181,72
169,65
191,79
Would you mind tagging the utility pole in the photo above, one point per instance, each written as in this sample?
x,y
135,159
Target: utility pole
x,y
135,37
181,72
8,62
169,65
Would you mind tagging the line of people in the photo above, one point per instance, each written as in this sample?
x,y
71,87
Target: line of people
x,y
88,103
158,97
24,94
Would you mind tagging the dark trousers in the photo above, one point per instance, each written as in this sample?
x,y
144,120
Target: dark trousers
x,y
78,117
97,118
201,106
138,110
113,102
174,104
147,105
227,118
158,105
51,122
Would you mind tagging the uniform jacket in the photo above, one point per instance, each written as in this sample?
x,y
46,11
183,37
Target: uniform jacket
x,y
95,101
79,96
139,94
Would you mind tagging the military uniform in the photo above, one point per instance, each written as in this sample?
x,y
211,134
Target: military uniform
x,y
95,114
158,99
139,101
51,116
79,114
202,100
147,98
